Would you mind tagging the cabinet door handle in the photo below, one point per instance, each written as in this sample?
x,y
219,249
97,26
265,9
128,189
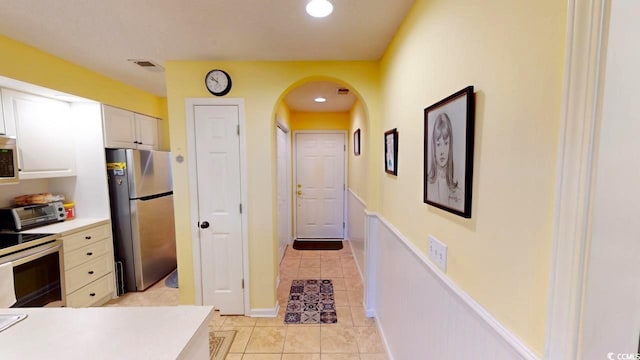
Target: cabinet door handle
x,y
88,237
90,272
92,294
89,253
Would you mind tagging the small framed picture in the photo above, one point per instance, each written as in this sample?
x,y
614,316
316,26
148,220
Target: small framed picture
x,y
391,152
448,152
356,142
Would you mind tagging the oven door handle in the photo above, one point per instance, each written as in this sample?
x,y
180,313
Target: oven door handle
x,y
35,253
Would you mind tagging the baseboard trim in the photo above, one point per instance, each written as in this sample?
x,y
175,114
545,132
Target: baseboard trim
x,y
265,312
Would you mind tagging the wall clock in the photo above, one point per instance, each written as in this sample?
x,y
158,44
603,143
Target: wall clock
x,y
218,82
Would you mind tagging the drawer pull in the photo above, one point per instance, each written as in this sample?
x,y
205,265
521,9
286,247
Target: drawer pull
x,y
90,272
89,253
88,237
92,294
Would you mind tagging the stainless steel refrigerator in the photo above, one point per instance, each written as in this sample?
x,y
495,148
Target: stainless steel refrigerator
x,y
141,197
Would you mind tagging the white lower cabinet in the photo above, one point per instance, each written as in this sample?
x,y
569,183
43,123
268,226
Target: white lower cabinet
x,y
95,293
88,263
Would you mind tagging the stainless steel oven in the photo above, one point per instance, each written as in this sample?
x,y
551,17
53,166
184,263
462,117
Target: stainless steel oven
x,y
37,269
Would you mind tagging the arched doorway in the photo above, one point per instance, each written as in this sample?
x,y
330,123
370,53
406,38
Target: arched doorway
x,y
300,114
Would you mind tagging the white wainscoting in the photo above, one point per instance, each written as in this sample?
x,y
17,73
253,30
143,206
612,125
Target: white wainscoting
x,y
421,313
356,208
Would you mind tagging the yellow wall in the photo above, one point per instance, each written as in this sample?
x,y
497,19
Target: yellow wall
x,y
28,64
512,53
262,86
319,120
358,173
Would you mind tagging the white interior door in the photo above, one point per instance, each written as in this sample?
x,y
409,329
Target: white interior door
x,y
219,198
320,185
284,191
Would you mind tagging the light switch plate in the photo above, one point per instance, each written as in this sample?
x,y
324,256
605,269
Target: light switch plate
x,y
438,253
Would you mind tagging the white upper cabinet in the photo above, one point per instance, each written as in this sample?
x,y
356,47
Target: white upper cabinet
x,y
129,130
119,128
44,134
7,126
147,132
3,127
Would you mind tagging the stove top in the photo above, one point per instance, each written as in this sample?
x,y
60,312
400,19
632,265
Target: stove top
x,y
18,240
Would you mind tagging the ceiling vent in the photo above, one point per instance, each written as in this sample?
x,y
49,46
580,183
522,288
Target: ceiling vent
x,y
342,91
147,64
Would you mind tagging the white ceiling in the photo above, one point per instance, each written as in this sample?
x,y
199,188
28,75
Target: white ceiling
x,y
102,35
301,98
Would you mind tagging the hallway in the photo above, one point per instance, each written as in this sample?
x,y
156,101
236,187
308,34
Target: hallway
x,y
353,337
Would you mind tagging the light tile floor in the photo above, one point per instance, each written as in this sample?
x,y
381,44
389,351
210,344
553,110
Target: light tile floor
x,y
353,337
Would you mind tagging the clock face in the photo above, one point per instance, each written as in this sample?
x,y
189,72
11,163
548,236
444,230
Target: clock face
x,y
218,82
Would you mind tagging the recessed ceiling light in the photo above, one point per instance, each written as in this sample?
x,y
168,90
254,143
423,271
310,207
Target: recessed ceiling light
x,y
320,99
319,8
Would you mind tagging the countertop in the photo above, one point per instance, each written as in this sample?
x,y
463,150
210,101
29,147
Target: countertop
x,y
67,226
107,333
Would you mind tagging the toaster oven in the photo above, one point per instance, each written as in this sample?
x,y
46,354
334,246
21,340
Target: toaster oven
x,y
27,217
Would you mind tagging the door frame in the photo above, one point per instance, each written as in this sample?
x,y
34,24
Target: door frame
x,y
294,204
190,103
280,125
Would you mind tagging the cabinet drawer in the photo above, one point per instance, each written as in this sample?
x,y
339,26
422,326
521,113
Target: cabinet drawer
x,y
82,238
88,272
86,253
93,294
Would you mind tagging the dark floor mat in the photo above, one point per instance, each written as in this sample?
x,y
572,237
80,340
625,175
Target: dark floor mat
x,y
317,244
172,280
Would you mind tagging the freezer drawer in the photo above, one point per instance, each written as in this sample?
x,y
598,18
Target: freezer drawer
x,y
154,242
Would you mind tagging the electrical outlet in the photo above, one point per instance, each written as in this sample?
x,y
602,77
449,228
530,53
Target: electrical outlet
x,y
438,253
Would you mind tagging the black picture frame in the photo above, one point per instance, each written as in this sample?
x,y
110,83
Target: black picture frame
x,y
391,152
356,142
448,156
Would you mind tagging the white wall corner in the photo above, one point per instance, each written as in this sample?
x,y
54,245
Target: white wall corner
x,y
371,238
580,108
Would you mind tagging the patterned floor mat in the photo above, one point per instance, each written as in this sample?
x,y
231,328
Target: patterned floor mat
x,y
311,302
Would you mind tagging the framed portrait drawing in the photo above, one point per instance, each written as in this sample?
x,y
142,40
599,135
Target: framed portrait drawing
x,y
391,152
356,142
448,152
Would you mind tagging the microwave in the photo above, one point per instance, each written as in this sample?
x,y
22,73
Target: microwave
x,y
8,160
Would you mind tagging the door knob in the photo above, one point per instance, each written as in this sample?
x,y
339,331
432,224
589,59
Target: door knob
x,y
299,192
204,224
